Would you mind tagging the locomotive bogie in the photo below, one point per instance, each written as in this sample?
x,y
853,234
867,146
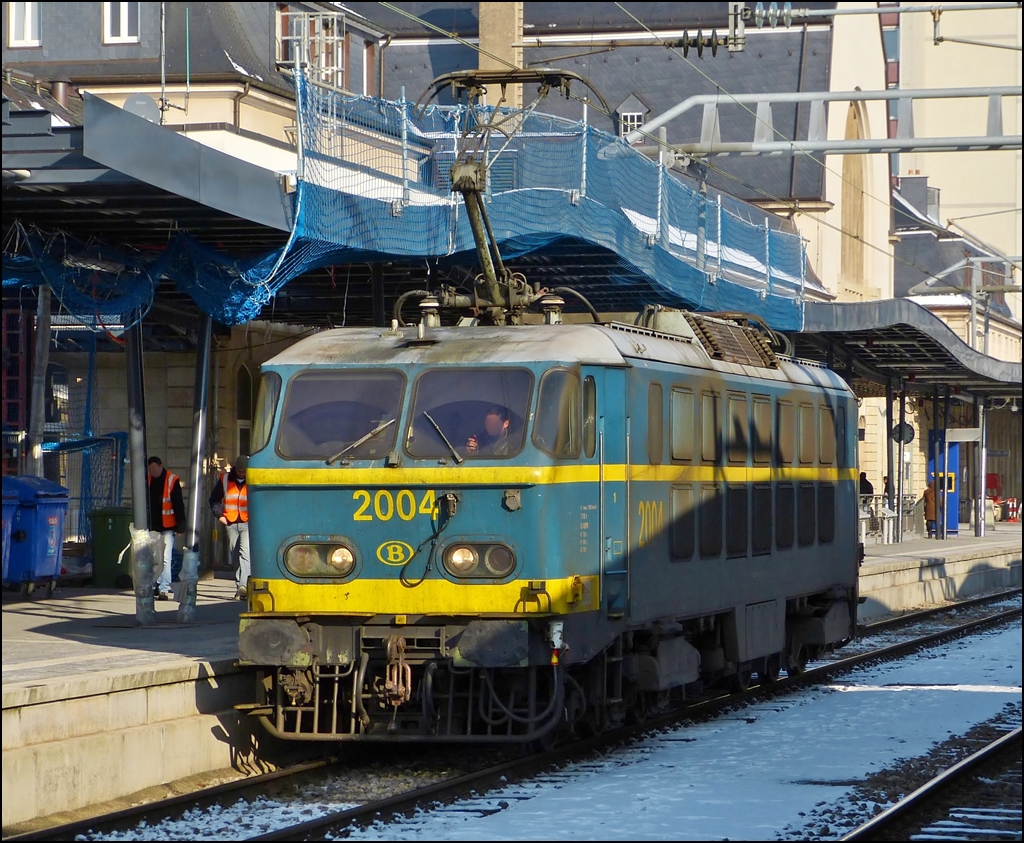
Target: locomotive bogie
x,y
500,532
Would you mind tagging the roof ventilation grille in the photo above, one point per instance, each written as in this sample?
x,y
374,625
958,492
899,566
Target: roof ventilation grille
x,y
732,343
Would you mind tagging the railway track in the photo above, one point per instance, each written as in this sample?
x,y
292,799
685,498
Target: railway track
x,y
450,788
978,798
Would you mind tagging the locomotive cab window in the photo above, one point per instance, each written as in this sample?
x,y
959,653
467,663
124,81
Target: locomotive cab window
x,y
327,411
472,413
557,429
589,416
266,404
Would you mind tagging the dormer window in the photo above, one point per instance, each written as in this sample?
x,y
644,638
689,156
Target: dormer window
x,y
629,121
632,113
120,23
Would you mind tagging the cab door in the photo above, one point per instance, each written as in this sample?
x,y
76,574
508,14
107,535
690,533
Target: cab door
x,y
613,450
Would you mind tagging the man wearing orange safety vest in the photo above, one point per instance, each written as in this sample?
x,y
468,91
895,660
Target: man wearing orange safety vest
x,y
166,516
230,504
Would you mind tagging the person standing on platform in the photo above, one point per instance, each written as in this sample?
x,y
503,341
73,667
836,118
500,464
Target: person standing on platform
x,y
229,503
166,516
929,507
866,488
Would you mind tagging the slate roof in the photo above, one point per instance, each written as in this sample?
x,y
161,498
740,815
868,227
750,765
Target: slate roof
x,y
228,41
774,60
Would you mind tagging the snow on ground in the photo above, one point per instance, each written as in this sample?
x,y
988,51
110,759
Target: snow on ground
x,y
757,772
754,774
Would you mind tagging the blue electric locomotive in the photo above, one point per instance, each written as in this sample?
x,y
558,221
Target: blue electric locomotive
x,y
491,533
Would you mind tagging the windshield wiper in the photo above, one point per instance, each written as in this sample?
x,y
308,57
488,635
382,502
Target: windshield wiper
x,y
458,460
359,441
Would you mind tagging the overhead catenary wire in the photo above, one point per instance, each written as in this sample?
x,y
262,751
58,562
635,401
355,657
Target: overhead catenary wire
x,y
791,206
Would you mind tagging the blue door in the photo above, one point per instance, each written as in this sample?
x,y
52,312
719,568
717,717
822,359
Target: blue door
x,y
946,478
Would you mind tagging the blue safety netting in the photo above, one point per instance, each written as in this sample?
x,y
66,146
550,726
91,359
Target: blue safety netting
x,y
374,184
375,181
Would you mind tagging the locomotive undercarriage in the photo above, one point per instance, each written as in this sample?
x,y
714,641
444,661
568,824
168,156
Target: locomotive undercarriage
x,y
414,684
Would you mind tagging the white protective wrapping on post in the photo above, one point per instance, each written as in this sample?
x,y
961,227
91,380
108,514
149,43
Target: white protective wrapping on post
x,y
185,588
147,562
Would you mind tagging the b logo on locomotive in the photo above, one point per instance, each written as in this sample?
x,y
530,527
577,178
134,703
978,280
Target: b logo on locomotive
x,y
395,553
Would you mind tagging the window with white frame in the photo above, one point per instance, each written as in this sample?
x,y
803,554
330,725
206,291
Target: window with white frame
x,y
23,25
629,121
121,23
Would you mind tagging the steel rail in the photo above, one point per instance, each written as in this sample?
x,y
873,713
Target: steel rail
x,y
403,803
896,813
127,817
450,789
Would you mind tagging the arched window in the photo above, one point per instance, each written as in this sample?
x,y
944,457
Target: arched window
x,y
852,264
244,408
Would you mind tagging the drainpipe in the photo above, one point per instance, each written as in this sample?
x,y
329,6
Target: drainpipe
x,y
380,68
238,105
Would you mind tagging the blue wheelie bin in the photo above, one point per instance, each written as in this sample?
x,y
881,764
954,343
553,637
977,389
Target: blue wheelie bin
x,y
10,507
37,532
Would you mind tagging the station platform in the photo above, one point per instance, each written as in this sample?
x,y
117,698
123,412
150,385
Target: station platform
x,y
96,708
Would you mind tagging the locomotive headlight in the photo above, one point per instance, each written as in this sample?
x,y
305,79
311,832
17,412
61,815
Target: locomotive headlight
x,y
342,560
499,560
461,560
314,559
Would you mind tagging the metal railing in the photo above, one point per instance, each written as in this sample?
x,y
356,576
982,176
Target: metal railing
x,y
314,41
878,523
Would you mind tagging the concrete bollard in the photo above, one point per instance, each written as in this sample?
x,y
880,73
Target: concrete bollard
x,y
187,586
147,562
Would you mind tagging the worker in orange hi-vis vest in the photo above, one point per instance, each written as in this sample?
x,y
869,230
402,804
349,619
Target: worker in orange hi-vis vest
x,y
166,516
229,502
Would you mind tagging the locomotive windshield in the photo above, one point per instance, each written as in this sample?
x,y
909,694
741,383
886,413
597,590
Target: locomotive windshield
x,y
480,412
327,413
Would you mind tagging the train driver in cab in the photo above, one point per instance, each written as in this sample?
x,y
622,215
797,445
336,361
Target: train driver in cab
x,y
494,438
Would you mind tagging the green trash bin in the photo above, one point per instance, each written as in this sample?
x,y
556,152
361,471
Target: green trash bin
x,y
110,535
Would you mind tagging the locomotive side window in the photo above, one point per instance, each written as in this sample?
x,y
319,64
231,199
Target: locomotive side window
x,y
683,522
827,435
785,511
710,429
655,424
841,437
826,513
761,534
266,404
807,434
480,413
682,424
736,517
785,431
327,411
589,416
762,432
805,515
557,429
738,429
710,521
